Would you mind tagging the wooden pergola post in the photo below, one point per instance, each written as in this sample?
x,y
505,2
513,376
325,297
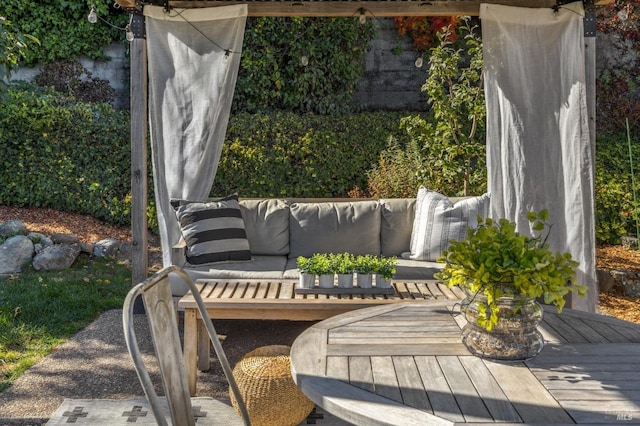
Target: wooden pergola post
x,y
138,52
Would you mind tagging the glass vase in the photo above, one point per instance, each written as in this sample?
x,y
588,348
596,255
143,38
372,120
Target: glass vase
x,y
514,337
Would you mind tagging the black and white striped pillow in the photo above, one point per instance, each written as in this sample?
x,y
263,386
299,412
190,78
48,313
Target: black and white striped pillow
x,y
213,231
438,221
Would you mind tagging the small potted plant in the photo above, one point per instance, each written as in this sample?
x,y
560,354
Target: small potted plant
x,y
342,264
503,273
305,266
385,269
321,266
364,267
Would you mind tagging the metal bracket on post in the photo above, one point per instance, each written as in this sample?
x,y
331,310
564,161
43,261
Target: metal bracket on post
x,y
589,20
137,25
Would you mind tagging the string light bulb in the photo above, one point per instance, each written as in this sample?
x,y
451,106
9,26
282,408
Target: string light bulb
x,y
623,15
362,18
304,60
93,16
130,35
419,62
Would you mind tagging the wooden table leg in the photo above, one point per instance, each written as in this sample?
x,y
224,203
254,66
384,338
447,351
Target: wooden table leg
x,y
191,348
203,347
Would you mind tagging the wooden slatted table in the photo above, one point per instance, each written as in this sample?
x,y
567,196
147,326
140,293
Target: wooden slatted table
x,y
404,364
277,300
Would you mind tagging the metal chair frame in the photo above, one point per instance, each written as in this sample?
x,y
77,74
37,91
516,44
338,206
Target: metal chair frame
x,y
158,302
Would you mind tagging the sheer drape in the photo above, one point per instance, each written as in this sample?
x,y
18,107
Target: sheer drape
x,y
538,148
193,55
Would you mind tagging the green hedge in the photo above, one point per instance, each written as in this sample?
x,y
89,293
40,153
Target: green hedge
x,y
72,156
64,154
614,203
286,154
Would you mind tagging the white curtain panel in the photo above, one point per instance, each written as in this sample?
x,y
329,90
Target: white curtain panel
x,y
539,153
193,60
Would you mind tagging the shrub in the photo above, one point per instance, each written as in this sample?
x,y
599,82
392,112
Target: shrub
x,y
446,153
614,204
71,78
273,76
64,154
285,154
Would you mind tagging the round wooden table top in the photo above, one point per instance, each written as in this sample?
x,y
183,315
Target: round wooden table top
x,y
404,364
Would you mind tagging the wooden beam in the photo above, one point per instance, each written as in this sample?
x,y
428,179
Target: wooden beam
x,y
139,249
379,9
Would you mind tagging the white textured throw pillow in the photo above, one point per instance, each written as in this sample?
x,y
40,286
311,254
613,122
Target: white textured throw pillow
x,y
213,231
438,220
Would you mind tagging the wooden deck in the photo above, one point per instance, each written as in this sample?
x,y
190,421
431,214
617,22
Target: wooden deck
x,y
404,364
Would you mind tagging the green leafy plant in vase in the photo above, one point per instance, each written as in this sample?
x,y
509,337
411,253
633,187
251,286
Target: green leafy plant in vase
x,y
503,274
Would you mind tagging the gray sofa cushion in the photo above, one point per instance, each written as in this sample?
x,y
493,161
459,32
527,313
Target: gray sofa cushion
x,y
267,226
407,270
334,227
397,216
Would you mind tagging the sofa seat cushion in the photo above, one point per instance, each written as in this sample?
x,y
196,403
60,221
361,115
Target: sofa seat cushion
x,y
267,225
407,270
334,227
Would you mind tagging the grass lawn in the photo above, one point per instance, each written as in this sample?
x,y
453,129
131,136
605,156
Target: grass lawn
x,y
40,310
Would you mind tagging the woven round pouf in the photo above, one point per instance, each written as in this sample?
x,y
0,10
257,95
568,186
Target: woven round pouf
x,y
269,392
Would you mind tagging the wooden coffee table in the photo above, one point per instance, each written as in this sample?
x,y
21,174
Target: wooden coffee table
x,y
277,300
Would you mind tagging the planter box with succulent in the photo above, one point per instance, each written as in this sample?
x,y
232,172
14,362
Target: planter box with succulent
x,y
503,273
305,266
343,265
384,270
365,267
321,266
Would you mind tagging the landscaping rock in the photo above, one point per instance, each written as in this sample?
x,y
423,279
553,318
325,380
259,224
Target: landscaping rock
x,y
106,247
12,227
87,248
631,288
40,241
65,239
606,282
14,253
56,257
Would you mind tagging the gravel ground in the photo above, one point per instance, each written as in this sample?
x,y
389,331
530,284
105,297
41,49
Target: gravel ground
x,y
95,364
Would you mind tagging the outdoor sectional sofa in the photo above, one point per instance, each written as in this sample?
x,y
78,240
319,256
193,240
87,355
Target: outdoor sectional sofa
x,y
279,230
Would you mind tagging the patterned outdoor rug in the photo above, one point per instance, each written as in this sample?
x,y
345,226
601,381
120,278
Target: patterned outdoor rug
x,y
109,412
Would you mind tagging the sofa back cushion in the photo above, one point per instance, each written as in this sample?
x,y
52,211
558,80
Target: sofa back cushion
x,y
267,225
438,220
397,216
334,227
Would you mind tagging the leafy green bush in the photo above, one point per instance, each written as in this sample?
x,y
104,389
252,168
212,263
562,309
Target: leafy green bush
x,y
285,154
65,154
63,29
447,152
301,64
614,205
